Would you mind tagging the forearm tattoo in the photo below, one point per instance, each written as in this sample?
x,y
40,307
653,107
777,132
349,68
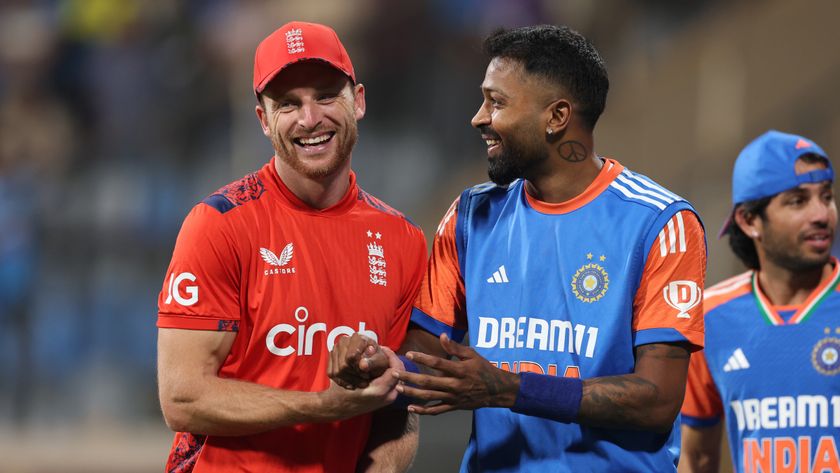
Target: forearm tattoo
x,y
614,401
627,400
663,352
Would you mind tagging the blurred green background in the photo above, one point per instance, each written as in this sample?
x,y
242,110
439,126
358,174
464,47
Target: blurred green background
x,y
117,116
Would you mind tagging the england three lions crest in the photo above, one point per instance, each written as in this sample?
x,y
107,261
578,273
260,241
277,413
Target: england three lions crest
x,y
376,260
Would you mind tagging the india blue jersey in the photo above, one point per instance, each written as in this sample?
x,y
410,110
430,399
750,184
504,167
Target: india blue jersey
x,y
566,289
774,373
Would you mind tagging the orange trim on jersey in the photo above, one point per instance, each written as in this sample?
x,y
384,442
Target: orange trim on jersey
x,y
608,173
730,281
442,294
805,309
702,399
277,186
727,290
670,292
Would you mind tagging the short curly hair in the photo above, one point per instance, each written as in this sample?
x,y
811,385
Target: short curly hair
x,y
561,55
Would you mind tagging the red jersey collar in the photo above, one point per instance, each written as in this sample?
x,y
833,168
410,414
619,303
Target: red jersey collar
x,y
289,199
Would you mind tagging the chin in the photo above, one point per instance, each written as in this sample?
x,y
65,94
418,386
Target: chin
x,y
814,261
323,167
316,172
502,175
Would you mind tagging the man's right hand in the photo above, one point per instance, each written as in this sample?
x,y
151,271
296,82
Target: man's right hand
x,y
380,391
356,360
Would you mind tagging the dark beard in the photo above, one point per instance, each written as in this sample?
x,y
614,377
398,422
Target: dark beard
x,y
511,165
798,264
504,169
786,257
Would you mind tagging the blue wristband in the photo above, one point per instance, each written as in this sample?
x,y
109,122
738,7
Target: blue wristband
x,y
550,397
402,400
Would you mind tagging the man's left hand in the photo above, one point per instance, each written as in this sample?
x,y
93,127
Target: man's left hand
x,y
355,361
467,381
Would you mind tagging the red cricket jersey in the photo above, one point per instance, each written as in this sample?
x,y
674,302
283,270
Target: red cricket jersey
x,y
253,258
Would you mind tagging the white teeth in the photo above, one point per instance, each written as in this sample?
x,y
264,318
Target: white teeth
x,y
314,141
492,142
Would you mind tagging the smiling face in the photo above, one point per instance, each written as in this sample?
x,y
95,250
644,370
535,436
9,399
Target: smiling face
x,y
309,111
511,121
798,230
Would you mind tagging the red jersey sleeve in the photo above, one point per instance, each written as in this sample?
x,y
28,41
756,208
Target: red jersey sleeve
x,y
440,306
201,288
702,405
415,269
668,305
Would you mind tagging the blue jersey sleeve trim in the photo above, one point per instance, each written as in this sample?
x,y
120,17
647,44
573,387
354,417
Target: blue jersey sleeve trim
x,y
692,421
219,202
658,335
434,326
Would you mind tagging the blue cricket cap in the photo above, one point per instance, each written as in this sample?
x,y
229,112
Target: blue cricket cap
x,y
765,168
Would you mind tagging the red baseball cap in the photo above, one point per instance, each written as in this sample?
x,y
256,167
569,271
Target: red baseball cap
x,y
299,41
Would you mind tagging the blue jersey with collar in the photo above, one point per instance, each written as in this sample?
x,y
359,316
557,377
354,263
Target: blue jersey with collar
x,y
566,290
774,374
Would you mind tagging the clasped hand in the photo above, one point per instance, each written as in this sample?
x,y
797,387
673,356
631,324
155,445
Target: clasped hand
x,y
464,381
375,393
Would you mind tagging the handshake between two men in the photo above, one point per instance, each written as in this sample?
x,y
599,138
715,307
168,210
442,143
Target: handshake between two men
x,y
433,377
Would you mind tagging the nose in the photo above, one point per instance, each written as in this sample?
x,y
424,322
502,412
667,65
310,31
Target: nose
x,y
481,117
821,212
309,115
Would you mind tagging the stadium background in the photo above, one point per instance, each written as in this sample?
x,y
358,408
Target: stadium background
x,y
116,116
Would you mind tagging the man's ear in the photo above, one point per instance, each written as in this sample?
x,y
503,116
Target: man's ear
x,y
359,104
262,116
559,115
749,223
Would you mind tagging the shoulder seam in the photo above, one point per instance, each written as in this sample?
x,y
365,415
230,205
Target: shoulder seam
x,y
728,285
239,192
487,187
650,183
632,187
720,294
377,204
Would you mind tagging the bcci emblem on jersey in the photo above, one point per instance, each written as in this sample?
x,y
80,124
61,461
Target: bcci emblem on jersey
x,y
826,356
590,282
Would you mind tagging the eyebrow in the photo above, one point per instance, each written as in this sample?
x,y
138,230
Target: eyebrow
x,y
799,190
492,90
